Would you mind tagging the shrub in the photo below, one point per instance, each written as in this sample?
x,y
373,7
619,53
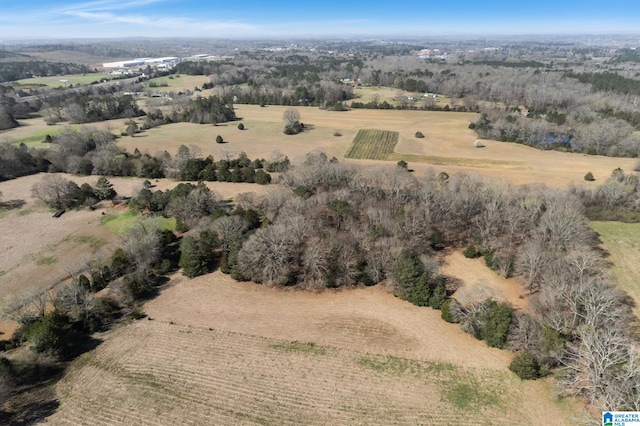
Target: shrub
x,y
450,311
403,164
472,252
525,366
120,263
438,296
337,133
240,126
219,139
138,284
497,325
443,176
419,135
489,321
51,335
589,177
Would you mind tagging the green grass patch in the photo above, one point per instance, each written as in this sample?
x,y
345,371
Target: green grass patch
x,y
118,224
177,83
462,388
93,242
371,144
37,138
46,261
300,347
24,212
466,391
55,81
4,212
399,366
168,223
457,161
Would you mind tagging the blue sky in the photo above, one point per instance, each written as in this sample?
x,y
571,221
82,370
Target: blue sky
x,y
257,19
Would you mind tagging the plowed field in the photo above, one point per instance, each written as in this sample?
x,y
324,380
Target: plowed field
x,y
218,352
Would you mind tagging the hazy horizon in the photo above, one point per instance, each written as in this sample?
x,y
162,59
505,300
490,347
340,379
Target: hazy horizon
x,y
57,19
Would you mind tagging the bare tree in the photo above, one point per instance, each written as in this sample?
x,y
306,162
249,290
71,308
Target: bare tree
x,y
291,116
533,258
27,307
268,256
142,242
54,190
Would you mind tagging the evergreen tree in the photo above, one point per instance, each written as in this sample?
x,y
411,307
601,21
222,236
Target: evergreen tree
x,y
192,260
104,189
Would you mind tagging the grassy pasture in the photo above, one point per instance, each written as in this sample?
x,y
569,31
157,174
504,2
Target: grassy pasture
x,y
177,83
447,145
371,144
622,242
55,81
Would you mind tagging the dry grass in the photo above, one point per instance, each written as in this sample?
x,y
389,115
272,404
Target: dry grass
x,y
38,251
622,242
221,352
447,145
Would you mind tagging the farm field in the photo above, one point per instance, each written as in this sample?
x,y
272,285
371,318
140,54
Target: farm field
x,y
447,145
56,80
622,241
221,352
372,144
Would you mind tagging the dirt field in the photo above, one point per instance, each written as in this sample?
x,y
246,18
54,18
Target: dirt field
x,y
221,352
479,282
447,145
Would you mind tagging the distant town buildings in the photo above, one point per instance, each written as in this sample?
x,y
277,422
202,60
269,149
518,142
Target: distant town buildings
x,y
142,62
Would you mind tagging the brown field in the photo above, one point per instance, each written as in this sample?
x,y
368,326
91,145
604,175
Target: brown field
x,y
38,251
447,145
221,352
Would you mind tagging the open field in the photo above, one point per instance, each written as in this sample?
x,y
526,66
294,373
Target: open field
x,y
221,352
33,131
177,83
38,251
447,145
383,93
372,144
479,282
56,80
622,241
